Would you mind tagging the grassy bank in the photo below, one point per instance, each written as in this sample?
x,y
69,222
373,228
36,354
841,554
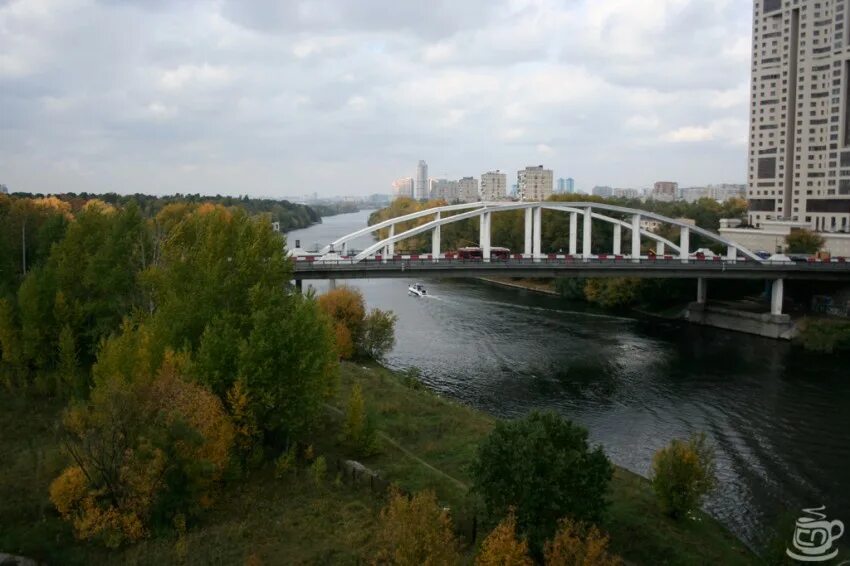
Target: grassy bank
x,y
425,442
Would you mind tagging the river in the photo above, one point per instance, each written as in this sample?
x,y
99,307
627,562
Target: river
x,y
778,418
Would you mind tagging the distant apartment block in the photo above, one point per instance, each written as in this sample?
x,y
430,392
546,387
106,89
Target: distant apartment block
x,y
403,187
444,189
665,191
534,183
4,189
566,186
421,186
494,186
799,147
467,189
720,193
602,191
625,193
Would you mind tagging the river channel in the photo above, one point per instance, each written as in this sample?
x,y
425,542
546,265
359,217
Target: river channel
x,y
778,418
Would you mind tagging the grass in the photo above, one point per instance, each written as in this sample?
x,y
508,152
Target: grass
x,y
425,442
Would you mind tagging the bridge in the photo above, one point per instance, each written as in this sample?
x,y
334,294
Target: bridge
x,y
669,259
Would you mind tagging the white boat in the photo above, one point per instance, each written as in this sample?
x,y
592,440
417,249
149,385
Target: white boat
x,y
417,289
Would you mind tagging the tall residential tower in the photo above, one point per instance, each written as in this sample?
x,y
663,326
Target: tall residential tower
x,y
799,155
422,186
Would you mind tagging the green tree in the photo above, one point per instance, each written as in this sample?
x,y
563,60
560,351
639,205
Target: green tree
x,y
803,242
543,467
683,473
378,336
287,363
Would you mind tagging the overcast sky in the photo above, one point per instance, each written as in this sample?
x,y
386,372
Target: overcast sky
x,y
286,97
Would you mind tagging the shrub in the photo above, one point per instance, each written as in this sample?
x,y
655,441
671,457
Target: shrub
x,y
682,474
803,242
502,547
577,544
823,335
415,531
543,467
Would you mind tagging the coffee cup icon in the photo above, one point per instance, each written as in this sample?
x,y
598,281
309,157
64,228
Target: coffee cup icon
x,y
814,537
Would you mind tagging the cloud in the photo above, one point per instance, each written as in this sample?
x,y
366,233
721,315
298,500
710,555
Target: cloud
x,y
283,98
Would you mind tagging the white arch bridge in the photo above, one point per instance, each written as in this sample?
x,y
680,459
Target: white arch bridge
x,y
668,260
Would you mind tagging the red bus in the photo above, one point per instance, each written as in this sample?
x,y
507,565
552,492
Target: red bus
x,y
477,253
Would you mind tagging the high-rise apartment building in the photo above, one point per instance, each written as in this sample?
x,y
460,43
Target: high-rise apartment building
x,y
494,186
422,186
566,186
443,189
534,183
799,156
467,189
665,191
403,188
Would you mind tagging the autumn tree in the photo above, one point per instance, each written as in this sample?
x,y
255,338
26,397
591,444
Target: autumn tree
x,y
146,446
543,467
803,242
502,547
346,308
415,531
359,431
683,473
579,544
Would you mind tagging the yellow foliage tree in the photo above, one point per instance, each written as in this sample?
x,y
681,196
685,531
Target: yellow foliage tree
x,y
416,531
347,309
141,444
502,547
577,544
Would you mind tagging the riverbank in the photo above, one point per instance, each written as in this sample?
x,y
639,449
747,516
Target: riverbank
x,y
425,442
542,286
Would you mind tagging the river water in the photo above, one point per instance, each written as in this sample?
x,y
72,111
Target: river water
x,y
778,418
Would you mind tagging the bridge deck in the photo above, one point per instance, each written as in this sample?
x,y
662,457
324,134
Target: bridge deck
x,y
571,267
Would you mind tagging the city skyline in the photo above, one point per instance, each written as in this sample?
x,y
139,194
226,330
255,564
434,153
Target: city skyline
x,y
272,99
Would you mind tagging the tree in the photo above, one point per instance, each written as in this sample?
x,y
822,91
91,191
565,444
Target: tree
x,y
803,242
682,474
543,467
346,307
146,447
378,336
578,544
359,432
616,292
502,547
287,363
414,531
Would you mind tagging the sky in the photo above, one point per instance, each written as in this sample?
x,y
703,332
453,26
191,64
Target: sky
x,y
289,97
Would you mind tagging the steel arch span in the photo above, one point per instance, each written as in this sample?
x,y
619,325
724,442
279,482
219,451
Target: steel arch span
x,y
581,214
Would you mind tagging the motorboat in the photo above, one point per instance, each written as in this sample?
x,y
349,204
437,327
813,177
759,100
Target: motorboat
x,y
417,289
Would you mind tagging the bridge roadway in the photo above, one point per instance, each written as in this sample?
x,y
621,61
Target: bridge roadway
x,y
671,268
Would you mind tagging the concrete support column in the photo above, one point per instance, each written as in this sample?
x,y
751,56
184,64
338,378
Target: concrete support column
x,y
529,221
391,246
636,237
587,233
573,233
660,248
331,284
618,236
538,233
684,243
344,249
731,253
777,294
702,290
435,241
485,235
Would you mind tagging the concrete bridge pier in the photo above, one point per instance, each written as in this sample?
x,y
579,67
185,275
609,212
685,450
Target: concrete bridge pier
x,y
660,249
484,235
587,233
538,232
777,294
702,290
435,241
684,243
391,246
636,238
529,222
573,233
618,236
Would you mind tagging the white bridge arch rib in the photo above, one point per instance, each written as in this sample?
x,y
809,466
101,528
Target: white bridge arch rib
x,y
480,208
